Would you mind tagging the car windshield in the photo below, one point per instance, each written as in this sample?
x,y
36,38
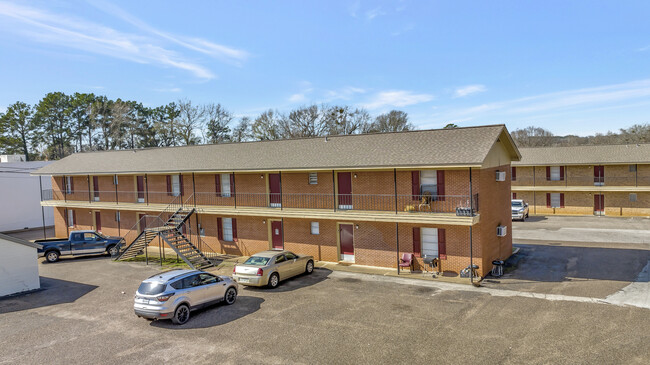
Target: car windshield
x,y
151,288
257,261
517,204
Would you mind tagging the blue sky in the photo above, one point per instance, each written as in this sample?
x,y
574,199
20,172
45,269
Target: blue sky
x,y
569,66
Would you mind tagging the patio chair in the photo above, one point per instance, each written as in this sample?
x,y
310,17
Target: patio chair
x,y
406,261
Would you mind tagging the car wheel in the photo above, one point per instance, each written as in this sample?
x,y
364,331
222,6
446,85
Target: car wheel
x,y
181,314
274,280
310,267
52,256
231,296
112,250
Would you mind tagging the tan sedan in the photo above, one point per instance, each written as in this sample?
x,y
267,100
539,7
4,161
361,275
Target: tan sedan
x,y
269,267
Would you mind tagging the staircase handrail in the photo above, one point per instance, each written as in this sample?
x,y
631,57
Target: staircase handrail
x,y
173,204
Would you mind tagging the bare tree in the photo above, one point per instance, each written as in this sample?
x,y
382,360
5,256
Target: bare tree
x,y
344,120
242,132
216,127
532,137
191,120
393,121
267,126
305,121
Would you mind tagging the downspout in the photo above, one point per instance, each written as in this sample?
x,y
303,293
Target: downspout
x,y
334,189
234,189
471,248
395,183
397,239
194,190
146,187
40,183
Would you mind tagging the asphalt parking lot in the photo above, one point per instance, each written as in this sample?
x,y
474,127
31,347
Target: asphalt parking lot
x,y
85,314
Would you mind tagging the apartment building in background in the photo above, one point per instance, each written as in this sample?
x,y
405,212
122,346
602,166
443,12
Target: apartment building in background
x,y
611,180
362,199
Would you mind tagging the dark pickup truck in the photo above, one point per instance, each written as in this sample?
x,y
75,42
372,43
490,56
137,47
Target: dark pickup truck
x,y
79,243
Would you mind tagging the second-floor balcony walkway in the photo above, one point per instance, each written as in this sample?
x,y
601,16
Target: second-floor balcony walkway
x,y
381,207
582,183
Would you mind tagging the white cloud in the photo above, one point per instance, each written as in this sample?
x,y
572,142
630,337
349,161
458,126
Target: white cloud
x,y
396,98
345,93
298,98
373,13
555,104
72,32
196,44
168,90
643,49
469,89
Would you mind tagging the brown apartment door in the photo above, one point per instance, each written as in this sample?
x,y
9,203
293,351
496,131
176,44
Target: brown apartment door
x,y
276,235
346,239
96,188
599,204
599,175
345,190
142,223
275,190
98,222
140,186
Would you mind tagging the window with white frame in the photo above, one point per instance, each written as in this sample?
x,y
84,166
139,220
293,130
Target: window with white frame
x,y
225,185
555,173
429,242
315,229
227,229
71,218
555,200
176,185
313,178
428,182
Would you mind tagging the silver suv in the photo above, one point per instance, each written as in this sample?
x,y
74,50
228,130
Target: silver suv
x,y
174,294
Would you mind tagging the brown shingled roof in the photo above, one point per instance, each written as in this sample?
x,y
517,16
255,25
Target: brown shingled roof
x,y
585,155
439,147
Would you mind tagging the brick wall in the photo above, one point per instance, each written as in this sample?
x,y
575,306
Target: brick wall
x,y
494,201
298,238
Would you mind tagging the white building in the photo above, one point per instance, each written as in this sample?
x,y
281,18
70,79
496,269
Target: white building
x,y
12,158
18,266
20,196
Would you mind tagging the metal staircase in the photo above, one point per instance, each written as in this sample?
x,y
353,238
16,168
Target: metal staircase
x,y
171,233
185,249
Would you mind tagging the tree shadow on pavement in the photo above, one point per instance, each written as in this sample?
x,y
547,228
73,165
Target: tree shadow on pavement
x,y
216,315
52,292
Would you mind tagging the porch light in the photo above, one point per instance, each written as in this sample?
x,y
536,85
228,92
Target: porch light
x,y
356,226
263,221
261,176
355,176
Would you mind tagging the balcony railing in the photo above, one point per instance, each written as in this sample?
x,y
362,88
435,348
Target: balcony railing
x,y
583,181
453,204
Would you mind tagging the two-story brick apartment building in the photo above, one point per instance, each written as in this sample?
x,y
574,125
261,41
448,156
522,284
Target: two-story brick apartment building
x,y
364,199
611,180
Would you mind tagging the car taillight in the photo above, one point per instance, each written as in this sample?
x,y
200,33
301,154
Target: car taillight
x,y
260,272
234,269
164,298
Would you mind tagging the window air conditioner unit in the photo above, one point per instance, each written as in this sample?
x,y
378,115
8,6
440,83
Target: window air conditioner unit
x,y
501,176
502,231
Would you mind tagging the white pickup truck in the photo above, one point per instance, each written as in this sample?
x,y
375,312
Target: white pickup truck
x,y
519,209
